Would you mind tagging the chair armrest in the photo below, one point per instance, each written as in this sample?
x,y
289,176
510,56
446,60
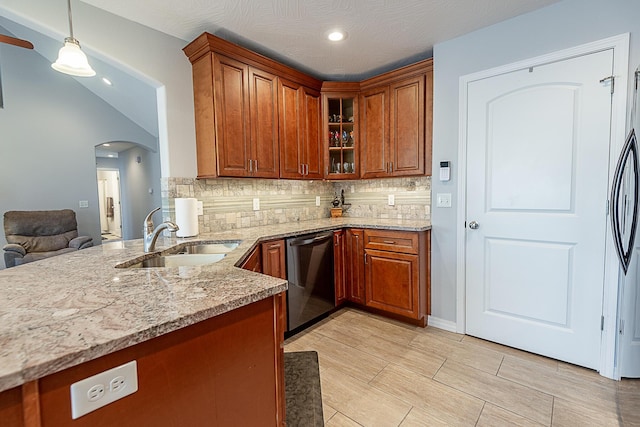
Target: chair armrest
x,y
81,242
12,247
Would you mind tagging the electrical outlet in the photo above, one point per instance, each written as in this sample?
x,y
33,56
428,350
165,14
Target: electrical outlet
x,y
392,200
96,392
200,207
83,204
117,384
256,204
317,200
91,393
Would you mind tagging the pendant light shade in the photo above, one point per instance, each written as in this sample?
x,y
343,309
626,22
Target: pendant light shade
x,y
71,59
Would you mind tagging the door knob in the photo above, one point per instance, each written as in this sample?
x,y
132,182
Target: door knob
x,y
474,225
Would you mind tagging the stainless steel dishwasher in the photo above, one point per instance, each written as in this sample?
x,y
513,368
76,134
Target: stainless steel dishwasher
x,y
310,274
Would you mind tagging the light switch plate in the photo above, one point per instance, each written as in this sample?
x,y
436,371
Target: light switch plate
x,y
391,200
317,200
101,389
83,204
443,200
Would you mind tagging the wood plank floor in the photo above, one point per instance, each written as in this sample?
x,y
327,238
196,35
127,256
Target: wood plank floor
x,y
379,372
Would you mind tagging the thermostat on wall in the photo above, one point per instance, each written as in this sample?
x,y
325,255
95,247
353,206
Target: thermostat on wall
x,y
445,171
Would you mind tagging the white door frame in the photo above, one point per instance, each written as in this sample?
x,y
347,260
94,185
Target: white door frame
x,y
620,45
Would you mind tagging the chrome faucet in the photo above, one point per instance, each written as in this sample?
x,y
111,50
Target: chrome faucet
x,y
151,234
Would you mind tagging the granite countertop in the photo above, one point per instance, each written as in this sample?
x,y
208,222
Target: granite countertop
x,y
66,310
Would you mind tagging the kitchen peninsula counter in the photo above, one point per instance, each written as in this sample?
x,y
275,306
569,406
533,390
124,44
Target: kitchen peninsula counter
x,y
64,311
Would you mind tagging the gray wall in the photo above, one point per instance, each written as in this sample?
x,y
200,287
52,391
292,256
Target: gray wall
x,y
560,26
136,179
49,128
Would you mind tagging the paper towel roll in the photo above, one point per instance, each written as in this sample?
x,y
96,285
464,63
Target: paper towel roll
x,y
187,217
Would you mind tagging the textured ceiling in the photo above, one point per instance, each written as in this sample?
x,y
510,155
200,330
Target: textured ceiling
x,y
382,34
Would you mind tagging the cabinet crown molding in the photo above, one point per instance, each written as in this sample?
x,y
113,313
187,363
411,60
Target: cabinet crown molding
x,y
207,43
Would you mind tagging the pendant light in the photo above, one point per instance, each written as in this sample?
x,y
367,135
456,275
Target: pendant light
x,y
71,59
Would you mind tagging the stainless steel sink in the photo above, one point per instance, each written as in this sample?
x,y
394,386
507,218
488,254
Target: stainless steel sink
x,y
209,248
178,260
187,254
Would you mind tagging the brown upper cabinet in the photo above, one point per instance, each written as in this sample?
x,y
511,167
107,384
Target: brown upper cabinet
x,y
258,118
238,114
340,130
395,122
300,148
246,119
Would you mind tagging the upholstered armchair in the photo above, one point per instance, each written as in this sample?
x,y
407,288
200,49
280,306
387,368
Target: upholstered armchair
x,y
35,235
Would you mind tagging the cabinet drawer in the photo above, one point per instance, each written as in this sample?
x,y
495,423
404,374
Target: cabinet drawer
x,y
393,241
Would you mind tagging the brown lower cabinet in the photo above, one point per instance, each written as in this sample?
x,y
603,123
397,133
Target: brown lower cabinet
x,y
354,265
389,272
273,258
254,261
227,370
338,266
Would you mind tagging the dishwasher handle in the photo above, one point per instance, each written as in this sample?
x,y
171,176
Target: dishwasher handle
x,y
309,240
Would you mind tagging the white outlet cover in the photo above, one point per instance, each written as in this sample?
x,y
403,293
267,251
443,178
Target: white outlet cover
x,y
83,204
256,204
200,207
392,200
94,392
317,200
443,200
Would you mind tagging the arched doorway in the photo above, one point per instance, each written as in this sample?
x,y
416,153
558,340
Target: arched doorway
x,y
128,176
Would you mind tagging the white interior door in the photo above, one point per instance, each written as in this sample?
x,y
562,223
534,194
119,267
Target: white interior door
x,y
537,184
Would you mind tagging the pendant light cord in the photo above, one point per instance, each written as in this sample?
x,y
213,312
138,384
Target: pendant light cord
x,y
70,20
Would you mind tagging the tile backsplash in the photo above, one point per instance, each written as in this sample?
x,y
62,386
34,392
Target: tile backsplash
x,y
228,202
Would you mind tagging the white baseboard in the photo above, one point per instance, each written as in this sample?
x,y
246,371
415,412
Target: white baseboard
x,y
447,325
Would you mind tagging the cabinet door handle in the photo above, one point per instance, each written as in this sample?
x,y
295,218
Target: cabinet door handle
x,y
256,166
365,258
250,166
274,246
389,242
306,168
391,166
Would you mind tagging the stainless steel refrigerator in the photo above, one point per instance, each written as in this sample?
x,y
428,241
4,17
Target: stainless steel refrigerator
x,y
624,204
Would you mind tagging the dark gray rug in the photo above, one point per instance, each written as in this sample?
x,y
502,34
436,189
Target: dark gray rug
x,y
302,389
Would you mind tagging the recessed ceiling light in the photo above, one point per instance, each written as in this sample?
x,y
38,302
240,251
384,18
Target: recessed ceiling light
x,y
106,144
111,155
106,81
336,36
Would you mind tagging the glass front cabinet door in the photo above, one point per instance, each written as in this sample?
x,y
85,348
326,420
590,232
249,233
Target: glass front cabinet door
x,y
341,135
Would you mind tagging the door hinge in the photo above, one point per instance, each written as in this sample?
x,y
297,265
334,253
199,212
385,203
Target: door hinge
x,y
602,323
613,82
